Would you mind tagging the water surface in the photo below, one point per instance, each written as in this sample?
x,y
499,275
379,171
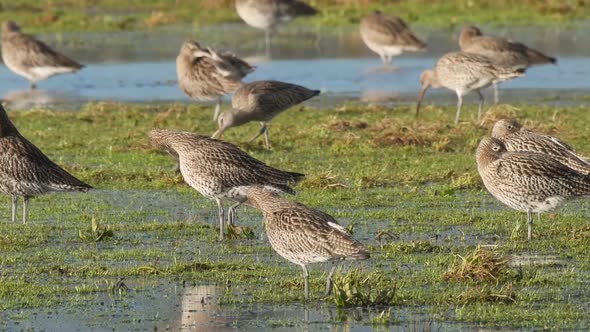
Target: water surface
x,y
140,66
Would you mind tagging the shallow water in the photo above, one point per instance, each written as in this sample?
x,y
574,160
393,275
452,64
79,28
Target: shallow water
x,y
140,66
169,304
174,307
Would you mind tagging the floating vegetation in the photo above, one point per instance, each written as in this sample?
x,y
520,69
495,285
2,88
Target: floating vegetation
x,y
96,233
363,288
234,232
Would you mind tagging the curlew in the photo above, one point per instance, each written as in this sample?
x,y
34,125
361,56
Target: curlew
x,y
205,74
303,235
517,138
262,101
502,50
465,72
527,181
220,170
388,36
31,58
268,14
25,171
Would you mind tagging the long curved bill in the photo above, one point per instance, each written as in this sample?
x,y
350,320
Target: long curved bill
x,y
420,98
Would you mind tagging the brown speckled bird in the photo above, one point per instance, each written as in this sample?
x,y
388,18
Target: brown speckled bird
x,y
465,72
303,235
206,74
268,14
31,58
25,171
527,181
220,170
501,50
517,138
262,101
388,36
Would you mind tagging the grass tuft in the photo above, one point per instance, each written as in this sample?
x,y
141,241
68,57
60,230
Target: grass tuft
x,y
480,265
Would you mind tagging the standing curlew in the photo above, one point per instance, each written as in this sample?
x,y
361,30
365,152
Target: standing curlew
x,y
206,74
220,170
31,58
268,14
527,181
303,235
25,171
502,50
262,101
465,72
516,138
388,36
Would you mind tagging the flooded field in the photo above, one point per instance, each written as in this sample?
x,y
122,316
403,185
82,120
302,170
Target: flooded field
x,y
421,211
140,66
407,189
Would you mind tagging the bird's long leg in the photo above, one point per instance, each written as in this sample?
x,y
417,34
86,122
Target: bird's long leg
x,y
25,208
266,141
383,59
262,131
217,109
329,282
32,85
496,93
221,216
305,282
459,104
14,206
232,213
480,107
529,216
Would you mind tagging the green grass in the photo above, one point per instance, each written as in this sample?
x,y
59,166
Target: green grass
x,y
415,182
109,15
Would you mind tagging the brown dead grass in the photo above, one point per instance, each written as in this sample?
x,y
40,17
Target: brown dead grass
x,y
344,125
323,180
481,265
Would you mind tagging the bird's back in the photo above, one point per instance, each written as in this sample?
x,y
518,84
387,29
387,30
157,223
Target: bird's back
x,y
505,51
468,71
25,170
304,235
266,99
265,14
201,78
215,167
380,29
25,51
526,140
532,181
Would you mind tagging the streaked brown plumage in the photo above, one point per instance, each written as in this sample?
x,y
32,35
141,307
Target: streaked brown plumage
x,y
303,235
502,50
268,14
205,74
262,101
465,72
220,170
25,171
527,181
31,58
516,138
388,36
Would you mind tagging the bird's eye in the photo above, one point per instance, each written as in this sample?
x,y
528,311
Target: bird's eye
x,y
496,148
